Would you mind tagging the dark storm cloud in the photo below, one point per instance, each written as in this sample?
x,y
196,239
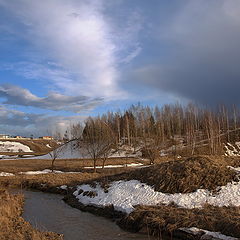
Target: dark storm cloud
x,y
203,63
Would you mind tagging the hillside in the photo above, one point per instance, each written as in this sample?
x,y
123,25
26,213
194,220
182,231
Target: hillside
x,y
32,146
72,150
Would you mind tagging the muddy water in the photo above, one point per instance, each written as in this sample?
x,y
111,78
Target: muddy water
x,y
48,212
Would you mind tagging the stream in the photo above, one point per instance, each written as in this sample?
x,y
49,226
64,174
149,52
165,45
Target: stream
x,y
47,212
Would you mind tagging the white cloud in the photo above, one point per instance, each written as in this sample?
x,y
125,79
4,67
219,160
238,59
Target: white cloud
x,y
132,55
78,36
20,123
15,95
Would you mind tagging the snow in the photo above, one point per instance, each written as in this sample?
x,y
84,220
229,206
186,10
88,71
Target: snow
x,y
231,150
235,169
67,151
118,166
45,171
71,150
64,187
217,235
9,146
124,195
5,174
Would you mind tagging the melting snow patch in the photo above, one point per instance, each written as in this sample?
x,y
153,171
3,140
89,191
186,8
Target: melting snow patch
x,y
118,166
231,150
215,235
124,195
5,174
45,171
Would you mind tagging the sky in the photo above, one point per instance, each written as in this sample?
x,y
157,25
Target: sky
x,y
64,60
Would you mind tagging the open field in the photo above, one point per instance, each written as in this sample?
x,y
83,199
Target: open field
x,y
13,226
202,175
47,182
23,165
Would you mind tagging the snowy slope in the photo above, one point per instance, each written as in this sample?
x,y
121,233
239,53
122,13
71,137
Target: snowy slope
x,y
10,146
71,150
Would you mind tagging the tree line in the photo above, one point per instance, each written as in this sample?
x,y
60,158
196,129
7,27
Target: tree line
x,y
155,128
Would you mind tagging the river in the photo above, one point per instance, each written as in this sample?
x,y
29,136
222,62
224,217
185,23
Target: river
x,y
47,212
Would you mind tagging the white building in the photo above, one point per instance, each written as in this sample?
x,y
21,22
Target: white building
x,y
4,136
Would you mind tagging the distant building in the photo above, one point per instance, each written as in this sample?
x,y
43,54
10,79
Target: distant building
x,y
4,136
18,137
46,138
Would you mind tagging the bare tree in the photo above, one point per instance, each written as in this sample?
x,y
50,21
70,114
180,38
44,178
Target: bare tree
x,y
55,153
98,139
57,149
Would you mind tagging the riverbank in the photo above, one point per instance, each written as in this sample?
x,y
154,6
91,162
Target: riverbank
x,y
171,198
13,226
165,199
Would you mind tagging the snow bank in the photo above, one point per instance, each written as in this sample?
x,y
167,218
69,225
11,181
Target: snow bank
x,y
5,174
9,146
124,195
215,235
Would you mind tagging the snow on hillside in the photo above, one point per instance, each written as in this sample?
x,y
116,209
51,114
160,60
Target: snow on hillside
x,y
72,150
124,195
9,146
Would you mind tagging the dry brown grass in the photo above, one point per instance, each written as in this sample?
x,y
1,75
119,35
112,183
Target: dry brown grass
x,y
232,161
180,176
23,165
13,226
46,182
184,176
167,219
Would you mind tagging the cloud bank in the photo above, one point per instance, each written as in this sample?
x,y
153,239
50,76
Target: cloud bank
x,y
15,95
203,54
16,122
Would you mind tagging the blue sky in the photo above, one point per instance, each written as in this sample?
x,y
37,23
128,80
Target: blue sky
x,y
62,61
